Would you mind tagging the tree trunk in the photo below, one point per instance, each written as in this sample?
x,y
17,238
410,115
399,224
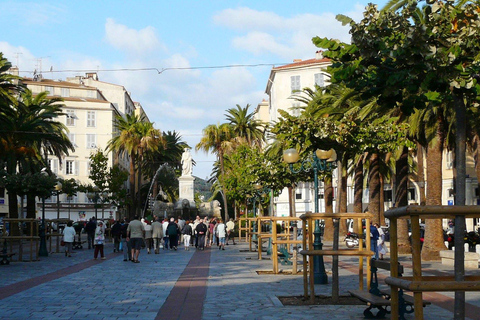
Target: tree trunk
x,y
342,192
291,202
374,188
358,191
381,208
401,200
328,194
433,227
31,207
224,195
421,174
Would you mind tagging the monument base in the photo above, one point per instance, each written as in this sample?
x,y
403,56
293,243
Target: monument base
x,y
186,191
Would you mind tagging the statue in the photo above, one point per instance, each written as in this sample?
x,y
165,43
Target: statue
x,y
186,163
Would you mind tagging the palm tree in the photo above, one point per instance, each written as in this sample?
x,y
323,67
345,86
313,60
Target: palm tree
x,y
245,127
29,133
217,139
134,135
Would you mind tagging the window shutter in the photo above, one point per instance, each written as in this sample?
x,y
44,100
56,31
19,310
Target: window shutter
x,y
76,168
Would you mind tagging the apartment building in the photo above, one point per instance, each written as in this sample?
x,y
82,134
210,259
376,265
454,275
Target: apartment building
x,y
89,118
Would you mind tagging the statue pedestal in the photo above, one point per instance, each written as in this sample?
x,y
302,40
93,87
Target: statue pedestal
x,y
186,188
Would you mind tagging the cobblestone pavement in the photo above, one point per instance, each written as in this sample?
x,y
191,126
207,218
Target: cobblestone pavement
x,y
57,287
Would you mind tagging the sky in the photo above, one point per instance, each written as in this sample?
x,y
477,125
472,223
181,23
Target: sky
x,y
176,52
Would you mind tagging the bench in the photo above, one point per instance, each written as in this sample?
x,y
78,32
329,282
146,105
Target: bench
x,y
284,256
4,255
381,299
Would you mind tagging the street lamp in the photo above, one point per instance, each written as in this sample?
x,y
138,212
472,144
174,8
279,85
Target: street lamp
x,y
42,251
58,189
94,196
321,160
258,193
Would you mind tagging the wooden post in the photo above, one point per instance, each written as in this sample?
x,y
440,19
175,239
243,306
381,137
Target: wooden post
x,y
417,266
394,266
304,258
274,249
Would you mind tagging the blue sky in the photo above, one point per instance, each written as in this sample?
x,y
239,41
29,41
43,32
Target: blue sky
x,y
106,35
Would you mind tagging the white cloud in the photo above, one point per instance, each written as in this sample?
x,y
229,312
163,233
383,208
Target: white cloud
x,y
286,37
135,42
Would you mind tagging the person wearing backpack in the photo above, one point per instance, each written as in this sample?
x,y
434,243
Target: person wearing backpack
x,y
187,234
172,233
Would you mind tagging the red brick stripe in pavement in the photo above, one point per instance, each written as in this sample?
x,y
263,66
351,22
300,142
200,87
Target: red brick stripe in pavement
x,y
18,287
440,300
185,301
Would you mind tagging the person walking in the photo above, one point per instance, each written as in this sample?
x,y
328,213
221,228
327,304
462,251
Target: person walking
x,y
187,234
90,230
157,235
173,232
381,246
211,230
148,236
99,241
374,240
116,232
68,238
127,249
165,237
201,230
230,231
135,234
181,224
221,233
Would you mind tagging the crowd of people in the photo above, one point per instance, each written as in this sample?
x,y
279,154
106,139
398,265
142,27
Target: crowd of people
x,y
153,235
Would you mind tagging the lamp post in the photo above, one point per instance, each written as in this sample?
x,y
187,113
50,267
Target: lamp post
x,y
58,189
258,193
42,251
320,160
94,196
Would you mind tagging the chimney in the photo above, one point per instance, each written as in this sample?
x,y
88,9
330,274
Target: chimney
x,y
14,71
92,75
319,55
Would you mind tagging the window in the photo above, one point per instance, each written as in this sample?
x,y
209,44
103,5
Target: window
x,y
69,166
319,79
65,92
449,159
71,137
70,117
411,194
49,90
387,195
296,109
295,83
91,119
298,194
53,165
91,141
451,193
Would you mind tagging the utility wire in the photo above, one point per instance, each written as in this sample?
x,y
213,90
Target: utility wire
x,y
160,71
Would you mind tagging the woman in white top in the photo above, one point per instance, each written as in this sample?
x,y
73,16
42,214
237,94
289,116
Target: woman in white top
x,y
69,238
221,233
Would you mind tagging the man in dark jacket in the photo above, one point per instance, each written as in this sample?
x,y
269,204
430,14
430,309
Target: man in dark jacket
x,y
116,233
90,230
201,231
172,232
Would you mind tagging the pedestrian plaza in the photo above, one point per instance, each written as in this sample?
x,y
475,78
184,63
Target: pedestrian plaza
x,y
210,284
